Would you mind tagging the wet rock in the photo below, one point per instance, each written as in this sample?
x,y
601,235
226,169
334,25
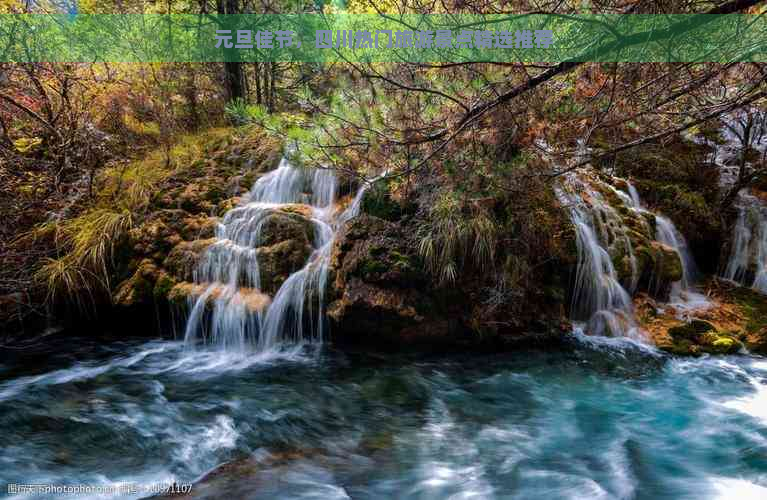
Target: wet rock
x,y
229,203
668,265
378,201
286,225
255,476
278,261
139,288
379,287
196,198
152,238
251,299
183,259
200,227
11,307
698,337
692,330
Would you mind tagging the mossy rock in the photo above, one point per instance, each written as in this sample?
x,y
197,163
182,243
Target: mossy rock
x,y
163,286
700,337
200,227
215,194
282,226
720,344
680,347
278,261
138,289
668,265
372,266
692,330
183,259
378,202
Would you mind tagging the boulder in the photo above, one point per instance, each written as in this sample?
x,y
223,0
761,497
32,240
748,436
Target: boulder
x,y
139,288
199,227
286,225
698,337
183,293
379,290
278,261
692,330
183,259
668,265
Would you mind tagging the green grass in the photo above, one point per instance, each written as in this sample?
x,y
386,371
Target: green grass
x,y
86,246
456,235
754,306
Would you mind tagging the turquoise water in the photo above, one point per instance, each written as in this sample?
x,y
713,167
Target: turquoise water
x,y
595,420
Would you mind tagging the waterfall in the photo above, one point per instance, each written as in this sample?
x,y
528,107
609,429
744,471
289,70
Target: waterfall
x,y
747,259
231,312
747,262
683,297
598,297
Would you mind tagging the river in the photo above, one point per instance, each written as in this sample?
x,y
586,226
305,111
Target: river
x,y
596,419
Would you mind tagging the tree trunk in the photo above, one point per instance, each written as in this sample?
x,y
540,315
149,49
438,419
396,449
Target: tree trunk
x,y
191,96
273,78
258,82
234,77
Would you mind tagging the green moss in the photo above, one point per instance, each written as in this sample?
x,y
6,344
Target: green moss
x,y
372,266
691,330
724,345
376,250
163,287
554,293
378,202
669,265
680,347
215,194
754,306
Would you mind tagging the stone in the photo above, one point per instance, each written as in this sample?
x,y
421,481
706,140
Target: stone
x,y
138,289
280,260
183,293
183,259
280,226
691,330
668,265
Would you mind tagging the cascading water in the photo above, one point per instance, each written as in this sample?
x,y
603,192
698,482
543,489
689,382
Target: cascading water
x,y
682,293
231,312
598,296
747,263
744,130
683,297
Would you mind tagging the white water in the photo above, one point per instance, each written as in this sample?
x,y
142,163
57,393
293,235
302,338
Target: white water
x,y
598,296
232,313
747,260
684,297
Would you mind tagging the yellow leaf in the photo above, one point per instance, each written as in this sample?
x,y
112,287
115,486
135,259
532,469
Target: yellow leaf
x,y
26,144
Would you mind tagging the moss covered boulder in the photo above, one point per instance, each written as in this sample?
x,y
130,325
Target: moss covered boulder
x,y
182,294
278,261
184,258
668,266
139,288
378,288
698,337
286,225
